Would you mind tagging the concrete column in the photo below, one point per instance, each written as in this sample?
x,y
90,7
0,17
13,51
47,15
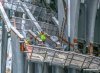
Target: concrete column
x,y
72,70
38,68
97,28
92,6
61,18
82,24
31,67
46,69
0,49
41,68
57,69
74,18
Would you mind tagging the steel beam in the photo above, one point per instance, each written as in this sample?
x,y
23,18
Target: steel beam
x,y
31,67
82,22
92,6
61,16
4,40
18,58
97,28
4,49
57,69
54,19
4,16
74,17
31,17
38,68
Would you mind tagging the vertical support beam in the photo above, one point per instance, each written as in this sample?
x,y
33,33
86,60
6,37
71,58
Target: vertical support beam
x,y
74,18
5,17
41,68
38,68
0,43
72,70
26,65
57,69
62,17
92,6
31,67
82,24
18,58
45,69
23,26
4,49
97,28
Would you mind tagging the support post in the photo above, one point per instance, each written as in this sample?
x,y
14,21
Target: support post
x,y
92,6
4,49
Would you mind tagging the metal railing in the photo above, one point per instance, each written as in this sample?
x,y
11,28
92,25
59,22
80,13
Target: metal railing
x,y
56,57
48,28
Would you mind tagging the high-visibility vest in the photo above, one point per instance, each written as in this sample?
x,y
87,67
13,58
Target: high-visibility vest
x,y
43,37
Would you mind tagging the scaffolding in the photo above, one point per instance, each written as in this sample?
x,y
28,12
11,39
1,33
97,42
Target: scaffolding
x,y
41,55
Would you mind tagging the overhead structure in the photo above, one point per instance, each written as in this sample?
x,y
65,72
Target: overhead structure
x,y
31,55
31,17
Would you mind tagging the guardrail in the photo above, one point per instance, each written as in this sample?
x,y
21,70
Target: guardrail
x,y
61,58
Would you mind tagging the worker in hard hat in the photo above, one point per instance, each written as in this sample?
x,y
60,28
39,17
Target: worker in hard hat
x,y
42,36
27,41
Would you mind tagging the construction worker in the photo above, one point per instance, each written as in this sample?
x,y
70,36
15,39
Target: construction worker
x,y
42,36
27,41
